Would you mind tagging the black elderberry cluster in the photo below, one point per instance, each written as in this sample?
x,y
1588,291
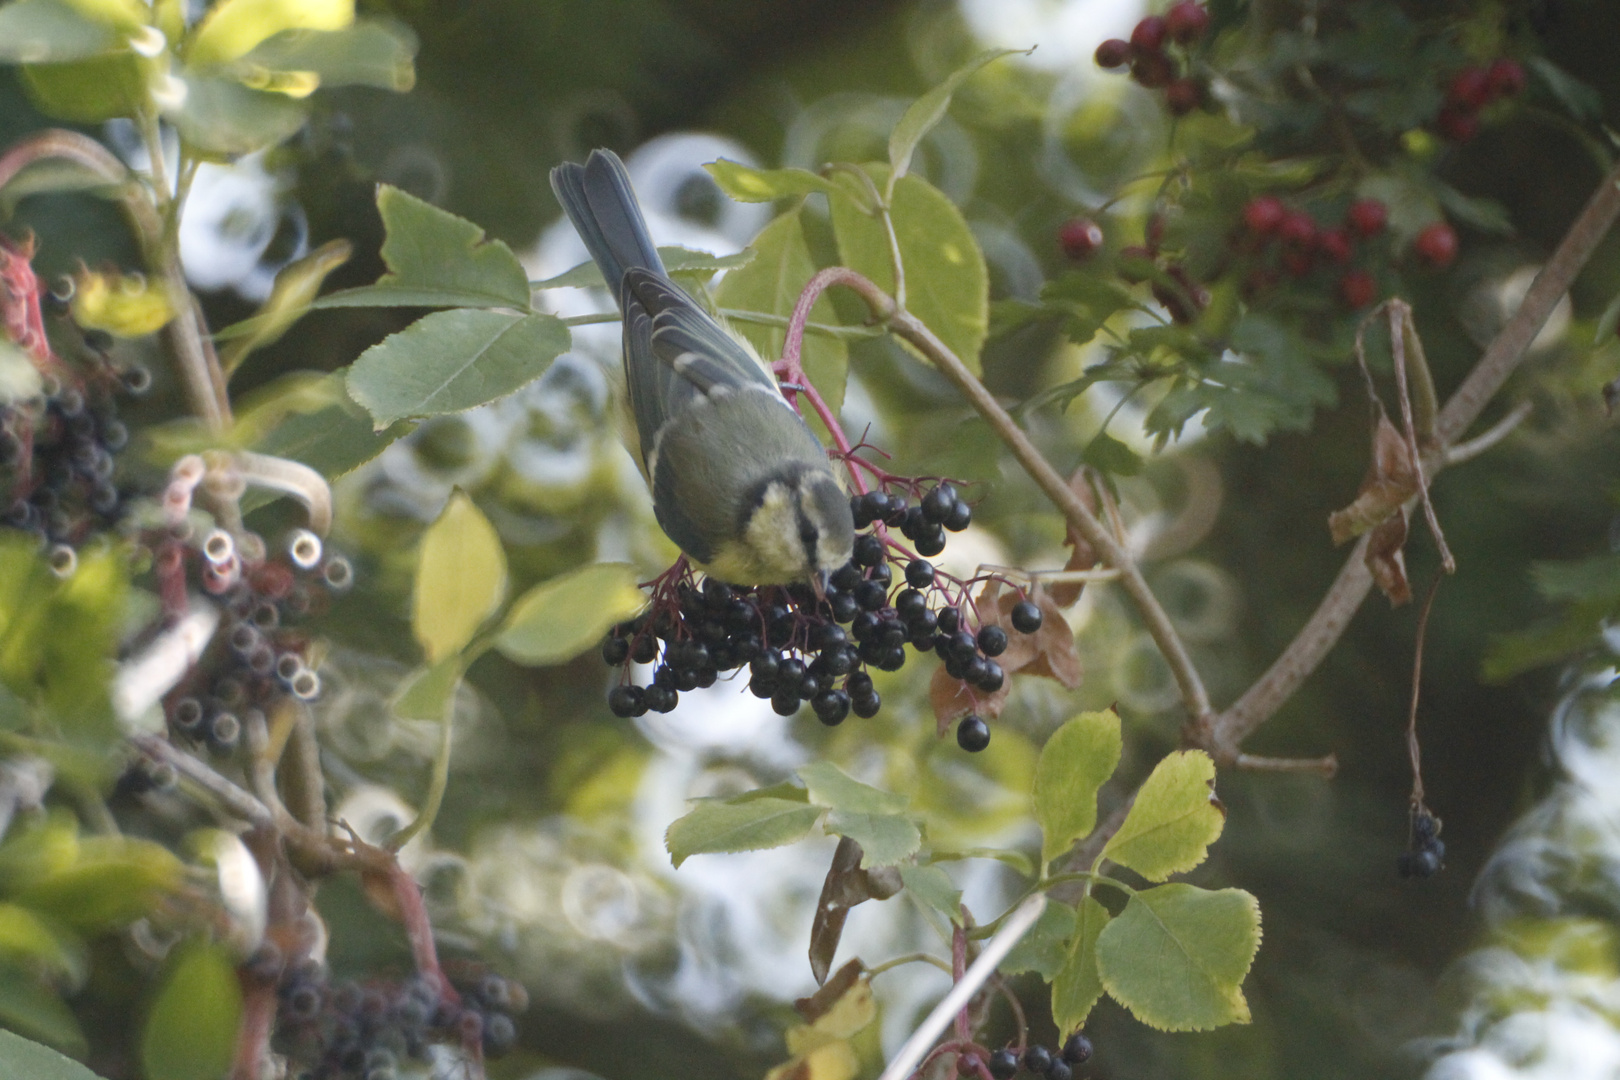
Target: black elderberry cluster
x,y
261,653
1037,1060
364,1031
58,458
800,647
1426,853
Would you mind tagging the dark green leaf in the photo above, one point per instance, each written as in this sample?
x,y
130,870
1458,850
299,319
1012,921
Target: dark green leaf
x,y
191,1031
436,259
1042,950
1486,215
45,31
25,1060
747,826
1108,454
747,184
454,360
1579,98
1593,580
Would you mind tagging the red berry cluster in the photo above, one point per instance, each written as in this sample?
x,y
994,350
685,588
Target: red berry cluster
x,y
1156,66
1471,90
1173,287
1300,244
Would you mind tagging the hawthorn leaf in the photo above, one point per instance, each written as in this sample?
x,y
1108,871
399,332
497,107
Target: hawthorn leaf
x,y
933,887
748,184
460,578
885,839
1173,821
1078,984
921,115
1177,955
1041,950
561,618
454,360
1074,764
747,826
831,786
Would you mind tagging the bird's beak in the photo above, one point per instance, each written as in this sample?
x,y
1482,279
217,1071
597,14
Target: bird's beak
x,y
818,582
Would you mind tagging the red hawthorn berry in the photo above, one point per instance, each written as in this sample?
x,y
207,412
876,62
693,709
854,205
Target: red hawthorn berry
x,y
1505,77
1457,125
1263,213
1335,244
1297,262
1367,216
1113,53
1470,89
1079,237
1184,95
1436,244
1357,289
1133,263
1298,228
1152,69
1149,34
1259,280
1186,21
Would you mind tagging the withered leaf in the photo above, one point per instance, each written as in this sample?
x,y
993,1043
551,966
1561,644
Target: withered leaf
x,y
845,886
1390,481
1385,559
818,1004
1081,555
1049,653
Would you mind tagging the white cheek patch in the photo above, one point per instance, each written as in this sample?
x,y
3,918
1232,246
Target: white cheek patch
x,y
773,533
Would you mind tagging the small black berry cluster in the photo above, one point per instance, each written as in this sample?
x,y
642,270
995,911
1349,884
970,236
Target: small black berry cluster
x,y
260,654
1037,1060
363,1031
58,457
800,647
1426,852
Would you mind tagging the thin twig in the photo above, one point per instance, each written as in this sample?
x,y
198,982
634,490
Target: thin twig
x,y
439,781
1400,320
232,798
1413,750
1468,451
1323,766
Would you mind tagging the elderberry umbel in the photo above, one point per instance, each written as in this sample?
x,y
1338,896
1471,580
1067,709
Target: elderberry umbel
x,y
801,647
367,1031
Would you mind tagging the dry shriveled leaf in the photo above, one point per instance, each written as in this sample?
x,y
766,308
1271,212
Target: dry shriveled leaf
x,y
1049,653
1081,554
1390,481
845,886
1386,561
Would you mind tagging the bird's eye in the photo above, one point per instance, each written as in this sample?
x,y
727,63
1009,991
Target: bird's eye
x,y
807,536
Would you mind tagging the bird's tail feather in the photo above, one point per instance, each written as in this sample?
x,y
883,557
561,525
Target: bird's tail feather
x,y
598,199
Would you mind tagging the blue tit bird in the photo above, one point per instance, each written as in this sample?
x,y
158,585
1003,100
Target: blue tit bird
x,y
738,480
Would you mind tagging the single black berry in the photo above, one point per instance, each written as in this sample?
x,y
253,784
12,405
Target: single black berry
x,y
972,734
1003,1064
919,573
871,595
831,707
660,699
866,706
993,677
1037,1059
961,517
909,603
1077,1051
500,1035
992,640
1059,1070
844,607
785,703
627,701
950,620
858,684
938,504
868,550
846,577
881,574
1025,617
930,543
615,650
643,649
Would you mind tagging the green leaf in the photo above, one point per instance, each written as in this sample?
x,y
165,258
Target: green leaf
x,y
1486,215
427,691
436,259
223,118
372,52
1605,324
885,839
235,27
748,184
1108,454
1078,984
53,176
454,360
1579,98
191,1031
1594,580
831,786
42,31
21,1059
1076,761
87,91
677,260
921,116
947,285
1173,821
747,826
27,940
113,881
29,1008
933,887
561,618
1042,949
1177,955
320,426
1020,863
771,284
294,290
460,578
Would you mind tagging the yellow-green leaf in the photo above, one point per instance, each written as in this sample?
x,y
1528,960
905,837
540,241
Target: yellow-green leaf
x,y
1078,984
933,887
1173,821
460,579
1041,949
124,305
426,692
561,618
90,90
885,839
1075,762
829,785
295,289
928,110
772,284
1177,956
24,1059
191,1031
744,826
234,27
747,184
947,284
113,881
27,939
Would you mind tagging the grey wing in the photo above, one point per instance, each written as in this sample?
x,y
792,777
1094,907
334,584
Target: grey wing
x,y
676,354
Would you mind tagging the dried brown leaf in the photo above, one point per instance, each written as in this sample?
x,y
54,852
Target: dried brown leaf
x,y
1390,481
1386,561
1049,652
1081,554
818,1004
845,886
